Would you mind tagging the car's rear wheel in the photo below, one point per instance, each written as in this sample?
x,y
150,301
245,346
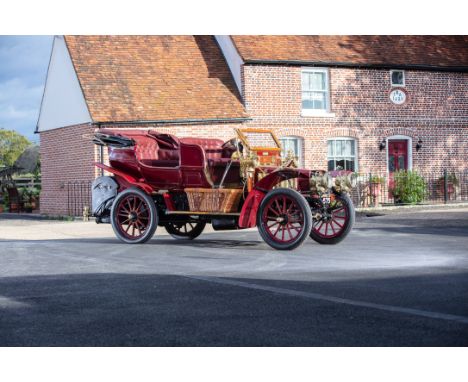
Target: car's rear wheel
x,y
185,230
335,222
284,219
134,216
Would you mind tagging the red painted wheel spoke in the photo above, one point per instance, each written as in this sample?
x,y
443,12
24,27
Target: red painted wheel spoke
x,y
276,207
138,209
128,227
129,206
277,229
298,229
320,227
337,210
289,231
270,209
338,224
272,225
339,217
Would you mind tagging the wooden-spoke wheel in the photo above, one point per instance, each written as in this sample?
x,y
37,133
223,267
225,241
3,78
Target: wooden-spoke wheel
x,y
134,217
335,221
284,219
185,230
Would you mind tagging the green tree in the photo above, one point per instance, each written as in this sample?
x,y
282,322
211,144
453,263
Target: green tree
x,y
12,144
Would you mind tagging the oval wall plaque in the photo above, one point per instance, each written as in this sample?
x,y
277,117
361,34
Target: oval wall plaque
x,y
398,96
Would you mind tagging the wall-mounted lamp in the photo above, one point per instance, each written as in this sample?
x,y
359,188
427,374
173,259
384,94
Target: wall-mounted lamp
x,y
419,145
382,144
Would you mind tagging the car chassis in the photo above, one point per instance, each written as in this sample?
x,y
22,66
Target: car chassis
x,y
184,183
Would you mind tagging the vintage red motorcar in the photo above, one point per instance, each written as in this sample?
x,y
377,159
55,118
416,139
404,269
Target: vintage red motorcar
x,y
182,184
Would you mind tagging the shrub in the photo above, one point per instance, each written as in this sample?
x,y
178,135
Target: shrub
x,y
409,187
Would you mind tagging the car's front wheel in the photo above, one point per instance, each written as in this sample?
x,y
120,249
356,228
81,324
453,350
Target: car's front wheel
x,y
284,219
134,216
335,222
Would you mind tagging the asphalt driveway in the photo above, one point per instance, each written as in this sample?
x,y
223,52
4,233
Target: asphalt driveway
x,y
397,280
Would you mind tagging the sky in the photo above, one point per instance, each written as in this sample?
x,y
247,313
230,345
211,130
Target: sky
x,y
23,70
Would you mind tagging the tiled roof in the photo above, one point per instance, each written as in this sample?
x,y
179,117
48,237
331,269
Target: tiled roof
x,y
148,78
417,51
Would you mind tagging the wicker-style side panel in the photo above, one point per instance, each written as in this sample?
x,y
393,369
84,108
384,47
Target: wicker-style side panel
x,y
213,200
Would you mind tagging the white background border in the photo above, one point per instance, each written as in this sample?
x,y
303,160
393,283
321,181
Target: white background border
x,y
232,364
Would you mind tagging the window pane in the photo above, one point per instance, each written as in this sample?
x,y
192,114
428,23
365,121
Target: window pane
x,y
340,164
349,165
331,151
319,100
401,162
391,163
307,104
305,81
331,165
292,145
339,147
348,150
317,81
397,78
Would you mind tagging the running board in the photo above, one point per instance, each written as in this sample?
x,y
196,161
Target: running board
x,y
202,213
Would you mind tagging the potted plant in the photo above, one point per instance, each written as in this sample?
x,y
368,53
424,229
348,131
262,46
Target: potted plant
x,y
376,185
452,184
34,198
28,207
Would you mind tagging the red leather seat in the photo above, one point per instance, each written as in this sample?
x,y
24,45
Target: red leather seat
x,y
213,147
150,153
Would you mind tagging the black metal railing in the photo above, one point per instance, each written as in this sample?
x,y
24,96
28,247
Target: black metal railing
x,y
78,197
376,189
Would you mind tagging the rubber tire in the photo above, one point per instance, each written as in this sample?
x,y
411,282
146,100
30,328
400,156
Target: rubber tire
x,y
197,231
348,225
153,221
302,203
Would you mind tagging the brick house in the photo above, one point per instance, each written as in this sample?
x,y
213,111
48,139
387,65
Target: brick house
x,y
363,103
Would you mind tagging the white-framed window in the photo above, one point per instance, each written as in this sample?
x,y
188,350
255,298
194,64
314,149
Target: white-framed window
x,y
315,91
397,77
342,154
294,145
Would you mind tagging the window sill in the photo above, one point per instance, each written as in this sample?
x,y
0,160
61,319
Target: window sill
x,y
317,113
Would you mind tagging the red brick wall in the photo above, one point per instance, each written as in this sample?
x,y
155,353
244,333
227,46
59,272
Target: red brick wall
x,y
67,154
436,111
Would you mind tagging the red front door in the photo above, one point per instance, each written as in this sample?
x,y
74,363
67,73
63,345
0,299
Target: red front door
x,y
397,155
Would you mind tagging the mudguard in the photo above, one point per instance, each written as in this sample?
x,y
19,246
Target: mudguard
x,y
248,216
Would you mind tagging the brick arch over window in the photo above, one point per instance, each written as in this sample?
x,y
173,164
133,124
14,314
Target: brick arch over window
x,y
290,131
344,132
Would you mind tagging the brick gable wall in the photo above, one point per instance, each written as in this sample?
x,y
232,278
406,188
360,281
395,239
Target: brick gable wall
x,y
67,155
